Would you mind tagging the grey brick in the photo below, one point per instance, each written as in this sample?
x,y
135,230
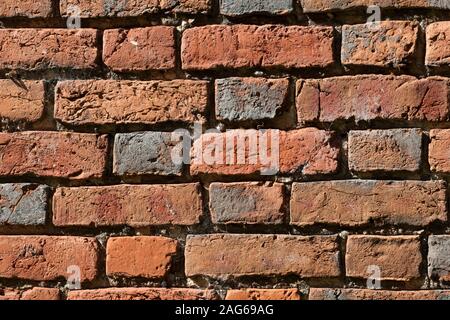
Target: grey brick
x,y
143,153
439,257
241,99
23,204
242,7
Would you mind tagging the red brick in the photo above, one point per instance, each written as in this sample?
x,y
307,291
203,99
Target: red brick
x,y
41,49
44,258
263,294
102,102
368,294
399,258
26,8
439,155
388,43
53,154
360,202
307,151
250,46
246,202
22,103
370,97
139,49
41,294
36,293
385,150
335,5
142,294
144,257
222,255
90,9
438,44
133,205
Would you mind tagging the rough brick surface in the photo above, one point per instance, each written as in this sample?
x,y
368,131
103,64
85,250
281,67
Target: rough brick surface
x,y
368,294
334,5
385,150
247,203
241,99
43,258
359,202
243,7
439,257
263,294
36,293
41,49
23,204
133,205
22,103
370,97
388,43
139,49
147,153
142,294
221,255
256,46
307,151
398,258
26,8
53,154
101,102
439,157
438,44
144,257
108,8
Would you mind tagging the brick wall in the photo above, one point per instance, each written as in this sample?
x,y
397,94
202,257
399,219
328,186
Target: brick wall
x,y
325,177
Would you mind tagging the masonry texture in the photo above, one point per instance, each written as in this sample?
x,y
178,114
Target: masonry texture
x,y
224,150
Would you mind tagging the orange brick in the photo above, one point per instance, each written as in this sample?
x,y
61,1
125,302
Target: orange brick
x,y
145,257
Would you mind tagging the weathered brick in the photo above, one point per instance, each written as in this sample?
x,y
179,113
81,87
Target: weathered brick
x,y
439,157
385,150
368,294
438,44
133,205
144,257
23,204
246,202
41,49
241,99
53,154
370,97
250,46
22,103
439,257
388,43
335,5
139,49
308,151
237,255
36,293
41,294
103,102
26,8
44,258
360,202
147,153
263,294
109,8
142,294
244,7
398,257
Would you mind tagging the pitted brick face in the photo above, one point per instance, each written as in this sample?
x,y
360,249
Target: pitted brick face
x,y
23,204
243,7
